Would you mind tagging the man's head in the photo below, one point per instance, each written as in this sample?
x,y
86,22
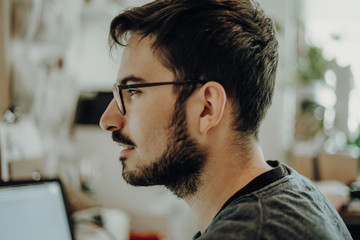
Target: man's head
x,y
203,53
230,42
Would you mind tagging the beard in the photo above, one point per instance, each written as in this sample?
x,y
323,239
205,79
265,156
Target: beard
x,y
180,166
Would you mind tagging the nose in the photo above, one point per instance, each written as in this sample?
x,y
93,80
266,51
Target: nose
x,y
112,119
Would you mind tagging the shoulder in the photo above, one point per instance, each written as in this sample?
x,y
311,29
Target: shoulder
x,y
242,217
290,208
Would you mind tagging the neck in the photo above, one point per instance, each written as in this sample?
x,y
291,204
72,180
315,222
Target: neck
x,y
226,173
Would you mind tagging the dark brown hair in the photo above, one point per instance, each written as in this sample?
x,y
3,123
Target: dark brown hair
x,y
227,41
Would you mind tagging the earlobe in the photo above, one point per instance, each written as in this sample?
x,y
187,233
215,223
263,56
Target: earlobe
x,y
214,97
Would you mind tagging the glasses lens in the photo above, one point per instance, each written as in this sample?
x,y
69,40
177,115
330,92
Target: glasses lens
x,y
117,97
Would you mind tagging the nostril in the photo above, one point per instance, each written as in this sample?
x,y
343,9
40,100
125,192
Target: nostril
x,y
107,127
111,128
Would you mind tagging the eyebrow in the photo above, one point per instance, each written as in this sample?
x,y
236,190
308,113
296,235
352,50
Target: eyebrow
x,y
134,79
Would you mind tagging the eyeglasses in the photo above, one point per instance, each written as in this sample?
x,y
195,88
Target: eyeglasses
x,y
117,90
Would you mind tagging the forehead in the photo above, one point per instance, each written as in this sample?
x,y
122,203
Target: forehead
x,y
140,60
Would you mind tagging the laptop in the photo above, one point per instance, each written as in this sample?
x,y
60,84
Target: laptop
x,y
34,210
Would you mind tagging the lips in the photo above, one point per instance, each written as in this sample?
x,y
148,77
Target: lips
x,y
123,141
126,147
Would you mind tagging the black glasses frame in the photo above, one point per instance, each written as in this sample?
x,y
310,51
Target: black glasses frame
x,y
117,90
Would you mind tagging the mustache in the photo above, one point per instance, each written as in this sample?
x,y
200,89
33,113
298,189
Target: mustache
x,y
119,137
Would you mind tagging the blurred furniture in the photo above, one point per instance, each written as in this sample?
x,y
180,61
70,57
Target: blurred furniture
x,y
101,224
351,216
326,166
341,167
91,106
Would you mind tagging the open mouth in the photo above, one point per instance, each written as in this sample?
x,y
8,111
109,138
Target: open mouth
x,y
126,147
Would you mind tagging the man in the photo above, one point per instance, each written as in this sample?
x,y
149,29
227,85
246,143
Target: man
x,y
195,81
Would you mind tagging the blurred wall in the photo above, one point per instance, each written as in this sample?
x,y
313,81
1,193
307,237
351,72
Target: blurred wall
x,y
276,132
4,67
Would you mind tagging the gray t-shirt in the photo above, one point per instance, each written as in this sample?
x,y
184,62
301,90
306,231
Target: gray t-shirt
x,y
279,204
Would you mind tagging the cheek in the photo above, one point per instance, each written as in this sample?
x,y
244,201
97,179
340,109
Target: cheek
x,y
150,132
148,121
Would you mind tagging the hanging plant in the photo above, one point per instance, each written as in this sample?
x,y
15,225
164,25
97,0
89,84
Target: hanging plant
x,y
312,66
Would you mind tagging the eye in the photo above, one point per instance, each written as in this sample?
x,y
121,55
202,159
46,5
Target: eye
x,y
133,91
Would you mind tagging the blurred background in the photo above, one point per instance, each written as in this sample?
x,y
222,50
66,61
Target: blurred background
x,y
56,76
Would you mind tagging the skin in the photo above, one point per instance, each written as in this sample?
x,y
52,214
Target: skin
x,y
228,166
138,123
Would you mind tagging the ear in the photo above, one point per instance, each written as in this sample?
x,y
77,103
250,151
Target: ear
x,y
214,98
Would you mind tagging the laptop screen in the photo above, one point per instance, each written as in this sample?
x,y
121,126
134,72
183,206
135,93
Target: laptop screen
x,y
33,210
